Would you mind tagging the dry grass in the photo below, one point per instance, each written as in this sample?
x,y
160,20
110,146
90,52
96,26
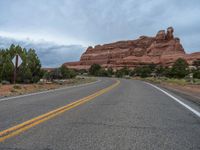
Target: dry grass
x,y
19,89
179,84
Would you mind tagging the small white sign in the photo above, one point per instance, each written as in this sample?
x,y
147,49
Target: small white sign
x,y
19,60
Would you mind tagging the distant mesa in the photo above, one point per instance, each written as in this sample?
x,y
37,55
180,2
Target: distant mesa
x,y
163,49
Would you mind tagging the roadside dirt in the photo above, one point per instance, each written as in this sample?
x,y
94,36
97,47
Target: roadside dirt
x,y
19,89
9,90
193,90
189,92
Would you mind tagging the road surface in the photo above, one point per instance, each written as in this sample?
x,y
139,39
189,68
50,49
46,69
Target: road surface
x,y
107,115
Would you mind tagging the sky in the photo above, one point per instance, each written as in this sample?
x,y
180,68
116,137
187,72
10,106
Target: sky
x,y
61,30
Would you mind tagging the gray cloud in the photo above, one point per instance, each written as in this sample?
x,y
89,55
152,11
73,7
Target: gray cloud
x,y
89,22
50,54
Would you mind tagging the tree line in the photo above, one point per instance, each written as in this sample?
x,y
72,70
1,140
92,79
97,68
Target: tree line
x,y
180,69
28,72
60,73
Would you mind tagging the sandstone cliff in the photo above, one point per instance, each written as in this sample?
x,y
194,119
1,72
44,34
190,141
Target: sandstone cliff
x,y
163,49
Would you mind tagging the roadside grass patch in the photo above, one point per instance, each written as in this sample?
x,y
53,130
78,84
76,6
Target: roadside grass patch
x,y
173,81
177,81
13,90
17,87
197,81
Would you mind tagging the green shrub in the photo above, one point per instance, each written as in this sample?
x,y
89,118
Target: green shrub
x,y
103,73
197,81
119,73
160,71
180,68
4,82
17,87
176,81
143,71
110,72
94,69
13,90
196,74
72,73
196,63
82,71
28,70
60,73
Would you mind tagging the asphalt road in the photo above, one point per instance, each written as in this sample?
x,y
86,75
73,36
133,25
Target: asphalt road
x,y
131,115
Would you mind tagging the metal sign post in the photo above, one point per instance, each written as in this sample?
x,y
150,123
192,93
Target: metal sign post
x,y
17,61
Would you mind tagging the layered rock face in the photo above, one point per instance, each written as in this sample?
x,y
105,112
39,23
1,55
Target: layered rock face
x,y
163,49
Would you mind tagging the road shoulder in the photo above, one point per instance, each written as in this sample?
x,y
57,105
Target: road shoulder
x,y
46,90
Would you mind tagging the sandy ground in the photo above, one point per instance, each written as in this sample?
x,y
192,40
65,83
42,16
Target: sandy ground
x,y
19,89
192,89
187,90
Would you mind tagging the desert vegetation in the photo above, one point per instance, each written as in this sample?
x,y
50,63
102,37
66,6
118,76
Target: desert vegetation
x,y
28,72
179,71
30,76
60,73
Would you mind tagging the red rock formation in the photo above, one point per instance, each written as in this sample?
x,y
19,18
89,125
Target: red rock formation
x,y
160,36
163,49
170,35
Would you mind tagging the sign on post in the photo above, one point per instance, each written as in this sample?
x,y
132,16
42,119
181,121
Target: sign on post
x,y
17,61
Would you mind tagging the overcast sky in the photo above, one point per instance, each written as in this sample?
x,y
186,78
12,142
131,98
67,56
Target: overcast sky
x,y
60,30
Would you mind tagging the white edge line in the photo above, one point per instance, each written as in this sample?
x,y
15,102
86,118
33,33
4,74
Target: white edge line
x,y
47,91
176,99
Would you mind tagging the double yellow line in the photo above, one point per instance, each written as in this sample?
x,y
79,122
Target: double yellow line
x,y
15,130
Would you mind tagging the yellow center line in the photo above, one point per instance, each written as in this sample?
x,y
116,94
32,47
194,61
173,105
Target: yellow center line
x,y
15,130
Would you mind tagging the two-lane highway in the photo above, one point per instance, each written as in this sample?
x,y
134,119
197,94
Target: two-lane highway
x,y
110,114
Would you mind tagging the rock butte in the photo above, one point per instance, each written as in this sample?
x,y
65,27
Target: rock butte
x,y
163,49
